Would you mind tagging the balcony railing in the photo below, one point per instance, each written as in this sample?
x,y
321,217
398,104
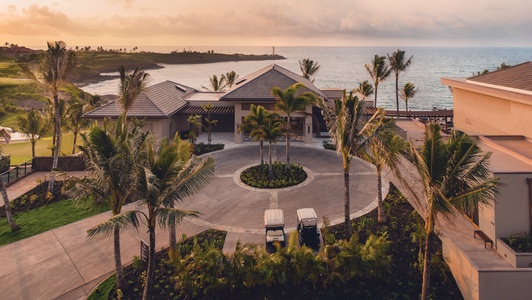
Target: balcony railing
x,y
16,173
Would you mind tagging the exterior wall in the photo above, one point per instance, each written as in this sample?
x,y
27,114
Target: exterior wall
x,y
307,128
507,284
512,213
482,114
464,273
239,115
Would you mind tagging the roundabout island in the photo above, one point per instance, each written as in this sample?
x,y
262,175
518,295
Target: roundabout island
x,y
229,204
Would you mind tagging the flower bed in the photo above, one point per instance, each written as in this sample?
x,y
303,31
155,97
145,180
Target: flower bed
x,y
258,176
202,148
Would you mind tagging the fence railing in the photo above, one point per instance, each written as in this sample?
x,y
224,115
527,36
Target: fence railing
x,y
17,172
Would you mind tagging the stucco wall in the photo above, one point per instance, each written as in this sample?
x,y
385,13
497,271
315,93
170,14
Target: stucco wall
x,y
508,284
477,113
512,214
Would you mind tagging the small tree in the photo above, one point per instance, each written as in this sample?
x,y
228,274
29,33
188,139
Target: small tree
x,y
398,65
209,122
378,71
271,131
230,78
35,125
289,102
365,88
407,92
217,85
75,121
254,123
308,68
9,216
194,121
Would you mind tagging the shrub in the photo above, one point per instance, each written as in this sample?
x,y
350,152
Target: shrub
x,y
258,176
203,148
328,145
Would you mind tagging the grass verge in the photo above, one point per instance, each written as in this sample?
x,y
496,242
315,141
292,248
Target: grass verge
x,y
21,151
46,218
102,291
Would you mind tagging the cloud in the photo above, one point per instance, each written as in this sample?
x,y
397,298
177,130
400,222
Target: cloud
x,y
287,20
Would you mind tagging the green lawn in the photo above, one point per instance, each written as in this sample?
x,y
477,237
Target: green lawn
x,y
21,151
46,218
13,81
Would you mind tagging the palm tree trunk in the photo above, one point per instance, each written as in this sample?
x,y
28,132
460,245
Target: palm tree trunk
x,y
406,104
347,209
151,267
376,85
397,93
33,142
121,283
172,234
75,139
9,216
429,225
426,268
288,143
270,167
57,145
260,152
380,208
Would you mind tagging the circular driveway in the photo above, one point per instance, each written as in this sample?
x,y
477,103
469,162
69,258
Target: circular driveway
x,y
228,204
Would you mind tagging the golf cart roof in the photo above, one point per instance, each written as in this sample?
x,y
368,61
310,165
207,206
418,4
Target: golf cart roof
x,y
306,213
273,218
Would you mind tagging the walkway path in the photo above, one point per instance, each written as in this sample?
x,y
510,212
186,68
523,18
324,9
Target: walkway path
x,y
62,264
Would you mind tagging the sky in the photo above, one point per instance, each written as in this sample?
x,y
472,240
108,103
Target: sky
x,y
267,22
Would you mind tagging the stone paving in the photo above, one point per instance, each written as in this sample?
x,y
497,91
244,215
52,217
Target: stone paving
x,y
63,264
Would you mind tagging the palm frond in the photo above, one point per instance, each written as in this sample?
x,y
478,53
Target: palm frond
x,y
167,217
121,221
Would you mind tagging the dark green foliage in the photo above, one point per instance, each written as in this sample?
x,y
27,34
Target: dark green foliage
x,y
520,243
163,287
5,162
35,198
202,148
328,145
258,176
405,228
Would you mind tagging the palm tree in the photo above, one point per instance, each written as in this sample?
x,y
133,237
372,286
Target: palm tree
x,y
254,123
378,71
56,66
230,78
271,131
348,129
308,68
209,122
383,149
454,174
112,158
9,216
365,88
35,125
162,183
408,92
217,85
131,85
289,102
75,121
398,65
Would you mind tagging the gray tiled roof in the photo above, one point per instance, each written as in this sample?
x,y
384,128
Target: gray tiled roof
x,y
258,85
515,77
160,100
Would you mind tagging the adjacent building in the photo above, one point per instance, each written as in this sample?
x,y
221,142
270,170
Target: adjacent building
x,y
496,108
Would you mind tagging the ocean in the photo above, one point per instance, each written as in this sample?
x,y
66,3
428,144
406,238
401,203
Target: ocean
x,y
343,67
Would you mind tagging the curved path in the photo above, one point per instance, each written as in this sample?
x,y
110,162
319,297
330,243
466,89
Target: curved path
x,y
63,264
228,204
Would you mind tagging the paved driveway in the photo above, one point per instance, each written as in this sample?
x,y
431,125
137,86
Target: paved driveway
x,y
228,204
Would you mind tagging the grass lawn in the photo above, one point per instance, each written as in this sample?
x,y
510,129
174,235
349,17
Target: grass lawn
x,y
13,81
9,119
21,151
46,218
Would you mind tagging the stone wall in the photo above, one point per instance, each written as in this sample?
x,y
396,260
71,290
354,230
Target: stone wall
x,y
66,163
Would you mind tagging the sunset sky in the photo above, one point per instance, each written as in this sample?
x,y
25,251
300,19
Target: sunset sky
x,y
267,22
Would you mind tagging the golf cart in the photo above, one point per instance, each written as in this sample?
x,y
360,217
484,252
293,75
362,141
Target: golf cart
x,y
307,227
274,224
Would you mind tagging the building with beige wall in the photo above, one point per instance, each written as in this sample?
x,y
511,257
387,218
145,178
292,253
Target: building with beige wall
x,y
166,106
496,108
